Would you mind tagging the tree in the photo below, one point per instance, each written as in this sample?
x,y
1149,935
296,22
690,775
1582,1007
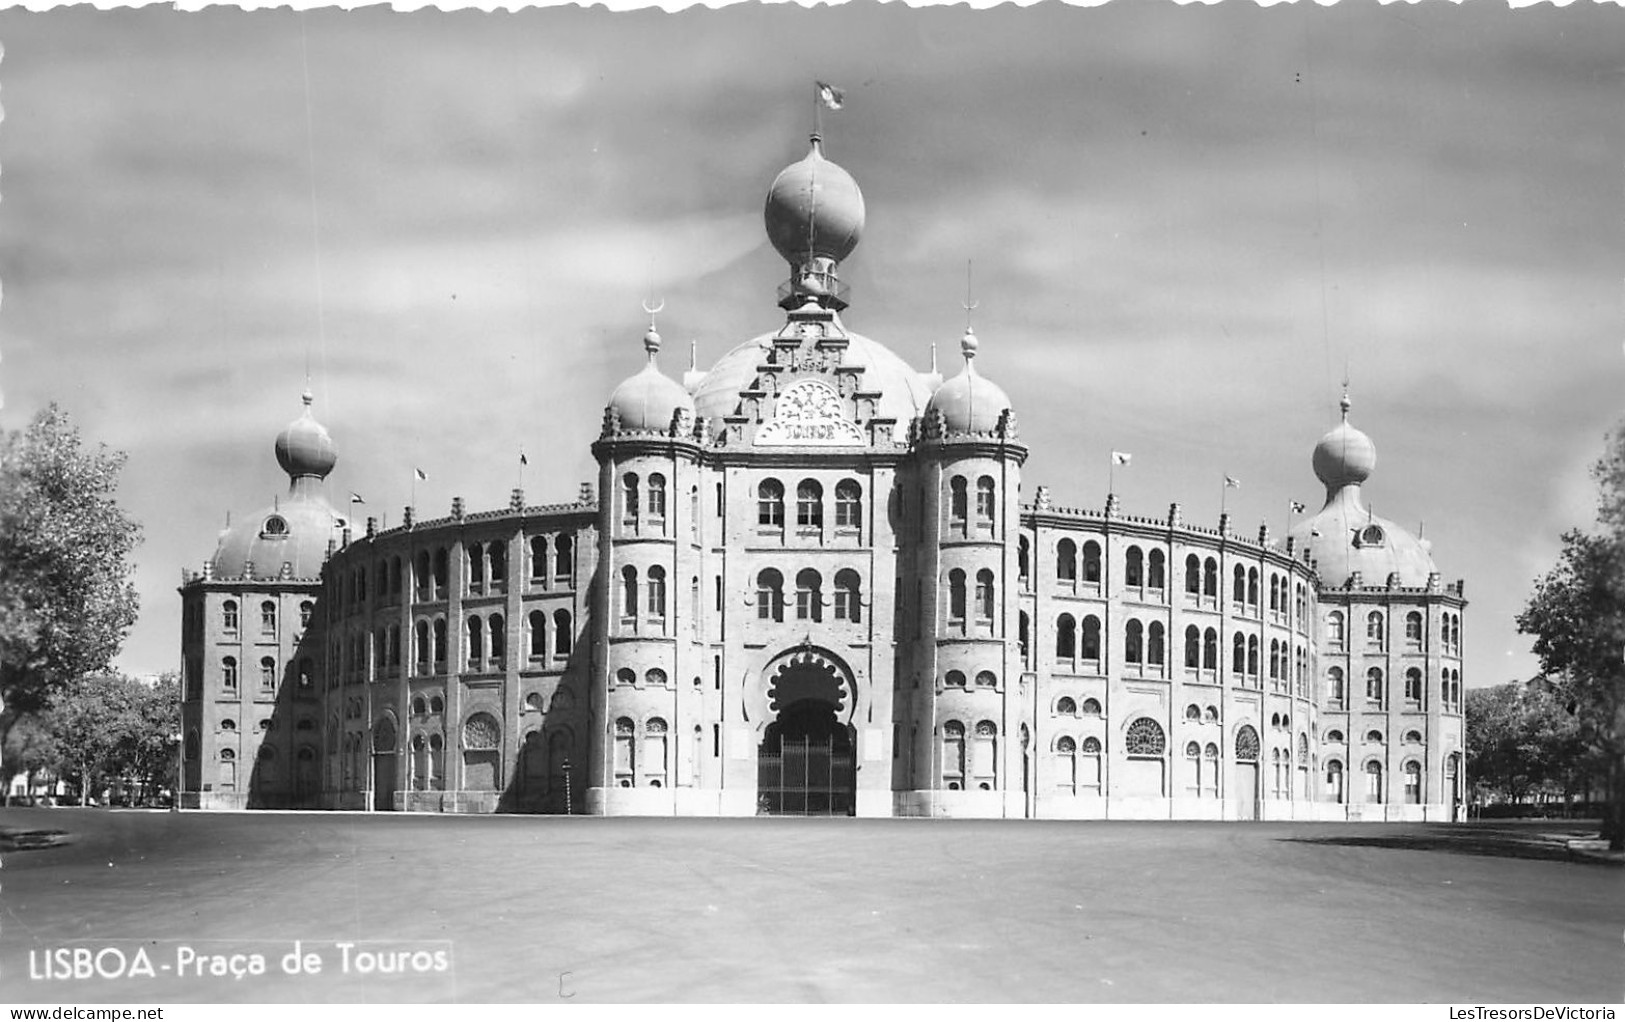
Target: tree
x,y
1521,739
66,598
26,748
1577,615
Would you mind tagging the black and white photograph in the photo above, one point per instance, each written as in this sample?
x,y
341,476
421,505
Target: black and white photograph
x,y
795,504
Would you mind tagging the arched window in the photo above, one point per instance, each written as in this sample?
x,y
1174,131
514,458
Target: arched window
x,y
848,505
1091,638
657,591
1247,744
770,503
1413,737
1373,685
1413,685
1156,644
1090,708
1066,764
394,645
1024,556
847,595
956,597
422,575
809,595
1066,561
1238,655
1335,689
1374,736
1334,781
1193,647
1193,575
1091,562
440,572
1413,627
1413,782
563,634
954,679
1193,712
1374,628
1066,707
1024,629
563,559
1145,737
1252,587
476,565
437,704
1238,585
769,595
1133,640
1156,570
629,592
953,755
439,641
536,625
984,596
629,497
306,608
986,679
267,674
1210,650
1334,737
421,646
228,615
538,558
626,677
985,760
498,632
1275,657
657,495
1066,638
1210,578
1373,781
1252,655
1134,567
268,618
984,501
497,553
476,641
958,510
1334,628
809,504
1211,714
625,761
1275,595
228,674
654,752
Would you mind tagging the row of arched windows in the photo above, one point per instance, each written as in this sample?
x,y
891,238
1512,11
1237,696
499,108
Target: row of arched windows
x,y
655,509
959,519
229,679
984,608
975,766
810,504
487,639
230,617
654,592
846,605
1374,789
642,764
957,679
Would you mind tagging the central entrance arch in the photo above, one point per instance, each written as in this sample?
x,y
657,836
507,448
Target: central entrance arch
x,y
804,764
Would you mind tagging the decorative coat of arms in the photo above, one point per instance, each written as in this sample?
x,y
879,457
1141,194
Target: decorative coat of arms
x,y
809,414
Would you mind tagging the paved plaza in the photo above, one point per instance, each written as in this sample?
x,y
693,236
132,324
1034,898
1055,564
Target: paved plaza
x,y
589,909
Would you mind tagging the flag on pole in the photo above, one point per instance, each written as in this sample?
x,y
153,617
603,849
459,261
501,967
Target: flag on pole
x,y
522,459
1232,483
421,474
356,498
1298,507
830,96
1120,458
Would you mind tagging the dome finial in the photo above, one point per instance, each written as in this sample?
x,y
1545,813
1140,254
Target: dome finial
x,y
968,343
651,339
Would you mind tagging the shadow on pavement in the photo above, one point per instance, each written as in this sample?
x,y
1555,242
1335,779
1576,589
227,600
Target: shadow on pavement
x,y
1511,841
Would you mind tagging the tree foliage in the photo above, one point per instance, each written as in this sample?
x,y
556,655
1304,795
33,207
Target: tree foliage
x,y
100,729
66,598
1521,739
1577,616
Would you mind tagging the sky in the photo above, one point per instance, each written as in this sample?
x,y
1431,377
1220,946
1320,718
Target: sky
x,y
1185,224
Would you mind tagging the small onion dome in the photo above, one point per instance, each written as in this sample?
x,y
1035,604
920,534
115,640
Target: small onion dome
x,y
816,201
647,401
304,448
969,403
1345,456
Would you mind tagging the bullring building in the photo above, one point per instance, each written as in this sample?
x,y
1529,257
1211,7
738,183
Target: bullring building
x,y
808,581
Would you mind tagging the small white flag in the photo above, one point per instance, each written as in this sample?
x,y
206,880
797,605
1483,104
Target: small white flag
x,y
1119,458
830,96
522,459
356,498
421,474
1298,507
1231,482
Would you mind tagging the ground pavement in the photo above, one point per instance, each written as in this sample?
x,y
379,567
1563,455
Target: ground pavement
x,y
537,909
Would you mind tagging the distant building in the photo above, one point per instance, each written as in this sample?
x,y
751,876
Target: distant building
x,y
808,584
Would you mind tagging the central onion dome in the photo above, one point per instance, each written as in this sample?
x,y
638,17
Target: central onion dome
x,y
650,400
291,537
304,448
1345,537
969,403
814,211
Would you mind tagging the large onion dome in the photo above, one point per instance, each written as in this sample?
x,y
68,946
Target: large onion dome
x,y
814,210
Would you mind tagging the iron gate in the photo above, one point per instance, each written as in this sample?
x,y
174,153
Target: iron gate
x,y
804,776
